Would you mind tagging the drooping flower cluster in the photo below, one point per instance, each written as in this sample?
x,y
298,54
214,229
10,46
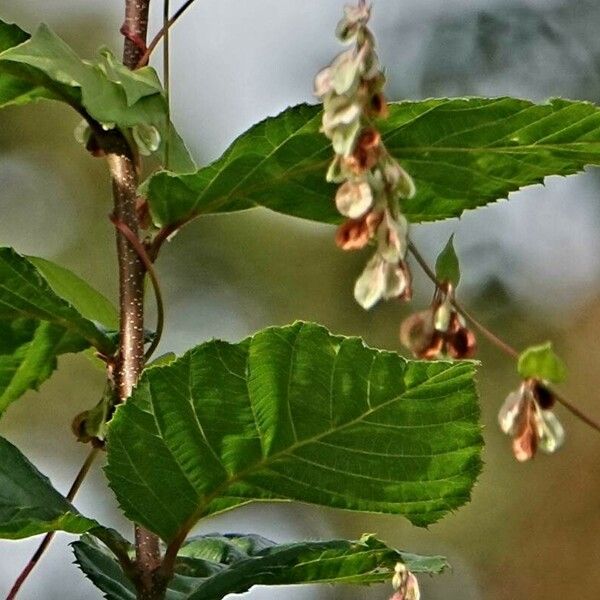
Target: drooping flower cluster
x,y
405,584
371,182
527,417
440,330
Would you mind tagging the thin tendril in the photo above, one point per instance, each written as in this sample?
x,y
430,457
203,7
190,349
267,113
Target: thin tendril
x,y
37,555
166,78
160,310
162,32
495,340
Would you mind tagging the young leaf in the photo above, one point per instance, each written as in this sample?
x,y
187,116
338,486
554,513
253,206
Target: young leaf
x,y
29,505
295,413
339,561
541,362
101,568
45,311
446,265
44,66
230,564
461,153
14,90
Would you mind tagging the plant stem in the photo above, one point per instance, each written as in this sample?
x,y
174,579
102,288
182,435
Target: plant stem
x,y
130,360
167,77
496,341
37,555
145,56
136,24
160,308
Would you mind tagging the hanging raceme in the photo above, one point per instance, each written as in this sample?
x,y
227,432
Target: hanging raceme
x,y
372,183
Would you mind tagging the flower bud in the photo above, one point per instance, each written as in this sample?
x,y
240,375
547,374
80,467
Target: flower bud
x,y
544,397
442,315
461,344
398,179
335,172
530,426
338,113
344,137
352,235
416,331
356,233
378,107
323,83
392,237
370,285
551,433
366,151
345,72
355,18
354,199
397,282
405,584
509,412
525,441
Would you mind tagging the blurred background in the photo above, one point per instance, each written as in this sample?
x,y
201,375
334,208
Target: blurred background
x,y
531,269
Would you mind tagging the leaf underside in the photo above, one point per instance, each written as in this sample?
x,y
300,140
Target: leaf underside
x,y
210,567
463,153
43,66
29,505
295,413
45,311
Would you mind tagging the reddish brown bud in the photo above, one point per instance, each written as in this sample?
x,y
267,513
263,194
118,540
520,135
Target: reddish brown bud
x,y
406,295
435,348
373,219
462,344
525,442
369,139
438,331
543,396
378,106
352,235
416,332
366,151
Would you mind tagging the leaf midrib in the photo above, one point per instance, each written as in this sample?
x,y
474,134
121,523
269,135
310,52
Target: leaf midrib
x,y
220,489
406,152
98,340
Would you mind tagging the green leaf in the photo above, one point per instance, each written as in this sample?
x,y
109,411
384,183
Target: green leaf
x,y
541,362
45,311
86,300
14,90
446,265
210,567
339,561
44,66
29,505
461,153
295,413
